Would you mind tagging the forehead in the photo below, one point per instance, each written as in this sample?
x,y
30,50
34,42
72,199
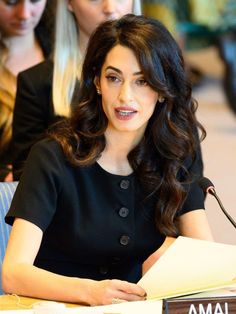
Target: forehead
x,y
122,58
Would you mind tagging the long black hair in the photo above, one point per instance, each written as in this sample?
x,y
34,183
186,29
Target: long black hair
x,y
171,136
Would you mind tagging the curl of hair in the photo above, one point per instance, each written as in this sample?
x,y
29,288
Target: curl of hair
x,y
171,136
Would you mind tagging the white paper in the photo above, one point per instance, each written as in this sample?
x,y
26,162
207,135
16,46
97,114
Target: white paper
x,y
138,307
188,266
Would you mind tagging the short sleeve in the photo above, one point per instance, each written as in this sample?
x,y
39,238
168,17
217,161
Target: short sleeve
x,y
37,193
195,196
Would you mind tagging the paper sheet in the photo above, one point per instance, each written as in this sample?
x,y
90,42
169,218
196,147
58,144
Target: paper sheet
x,y
189,266
139,307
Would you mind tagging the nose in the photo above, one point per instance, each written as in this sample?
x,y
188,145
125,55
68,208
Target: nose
x,y
24,10
108,7
126,94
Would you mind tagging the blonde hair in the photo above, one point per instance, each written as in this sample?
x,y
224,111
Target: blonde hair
x,y
67,57
7,96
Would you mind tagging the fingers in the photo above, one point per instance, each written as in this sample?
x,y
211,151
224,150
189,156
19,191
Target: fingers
x,y
124,297
126,291
115,291
129,288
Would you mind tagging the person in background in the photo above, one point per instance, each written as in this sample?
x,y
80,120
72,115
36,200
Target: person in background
x,y
116,179
45,92
25,40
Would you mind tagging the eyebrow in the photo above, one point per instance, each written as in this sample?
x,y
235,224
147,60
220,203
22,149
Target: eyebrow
x,y
119,71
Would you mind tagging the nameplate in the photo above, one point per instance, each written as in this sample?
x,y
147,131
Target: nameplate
x,y
213,305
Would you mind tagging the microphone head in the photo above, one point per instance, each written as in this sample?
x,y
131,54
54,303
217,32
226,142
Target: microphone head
x,y
205,184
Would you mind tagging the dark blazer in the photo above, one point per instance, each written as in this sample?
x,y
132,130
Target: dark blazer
x,y
33,112
44,35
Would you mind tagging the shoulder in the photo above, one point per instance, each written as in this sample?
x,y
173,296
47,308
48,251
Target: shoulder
x,y
46,160
36,81
47,147
41,71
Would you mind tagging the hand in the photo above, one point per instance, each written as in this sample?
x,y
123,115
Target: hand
x,y
105,291
157,254
9,176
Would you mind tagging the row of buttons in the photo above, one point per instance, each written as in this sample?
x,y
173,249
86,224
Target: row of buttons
x,y
124,212
124,239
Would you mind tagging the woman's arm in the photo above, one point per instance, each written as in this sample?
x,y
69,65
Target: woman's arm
x,y
20,276
157,254
193,224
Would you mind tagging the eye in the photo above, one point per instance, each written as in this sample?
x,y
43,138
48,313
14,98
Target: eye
x,y
11,2
112,78
15,2
141,82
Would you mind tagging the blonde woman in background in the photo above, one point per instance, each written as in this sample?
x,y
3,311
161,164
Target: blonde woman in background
x,y
24,42
45,92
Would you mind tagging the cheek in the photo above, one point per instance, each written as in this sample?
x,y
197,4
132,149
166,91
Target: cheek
x,y
39,9
86,19
149,101
5,15
5,23
126,7
110,93
109,100
148,96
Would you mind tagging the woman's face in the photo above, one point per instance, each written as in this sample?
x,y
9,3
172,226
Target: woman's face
x,y
20,17
90,13
127,99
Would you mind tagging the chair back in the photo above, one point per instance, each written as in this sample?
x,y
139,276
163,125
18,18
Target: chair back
x,y
7,190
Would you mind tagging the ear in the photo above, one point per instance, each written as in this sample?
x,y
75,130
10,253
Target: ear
x,y
96,82
69,6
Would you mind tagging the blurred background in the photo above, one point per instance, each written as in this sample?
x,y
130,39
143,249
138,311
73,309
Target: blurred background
x,y
206,31
219,147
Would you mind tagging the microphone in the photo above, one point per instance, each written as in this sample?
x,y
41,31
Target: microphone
x,y
208,187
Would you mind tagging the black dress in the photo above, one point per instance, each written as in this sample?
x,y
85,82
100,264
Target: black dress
x,y
95,224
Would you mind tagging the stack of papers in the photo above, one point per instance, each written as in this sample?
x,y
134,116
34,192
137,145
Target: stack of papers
x,y
190,266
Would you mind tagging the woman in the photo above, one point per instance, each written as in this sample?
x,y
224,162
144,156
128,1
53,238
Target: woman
x,y
45,92
115,179
24,41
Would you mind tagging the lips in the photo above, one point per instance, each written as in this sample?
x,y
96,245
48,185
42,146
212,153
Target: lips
x,y
125,113
22,25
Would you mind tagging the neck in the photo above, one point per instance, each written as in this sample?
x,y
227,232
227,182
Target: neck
x,y
120,143
83,42
20,43
24,52
114,157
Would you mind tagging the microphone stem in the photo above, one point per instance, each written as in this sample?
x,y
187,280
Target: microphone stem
x,y
213,192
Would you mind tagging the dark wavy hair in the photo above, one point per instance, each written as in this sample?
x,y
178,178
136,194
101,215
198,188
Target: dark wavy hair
x,y
171,136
